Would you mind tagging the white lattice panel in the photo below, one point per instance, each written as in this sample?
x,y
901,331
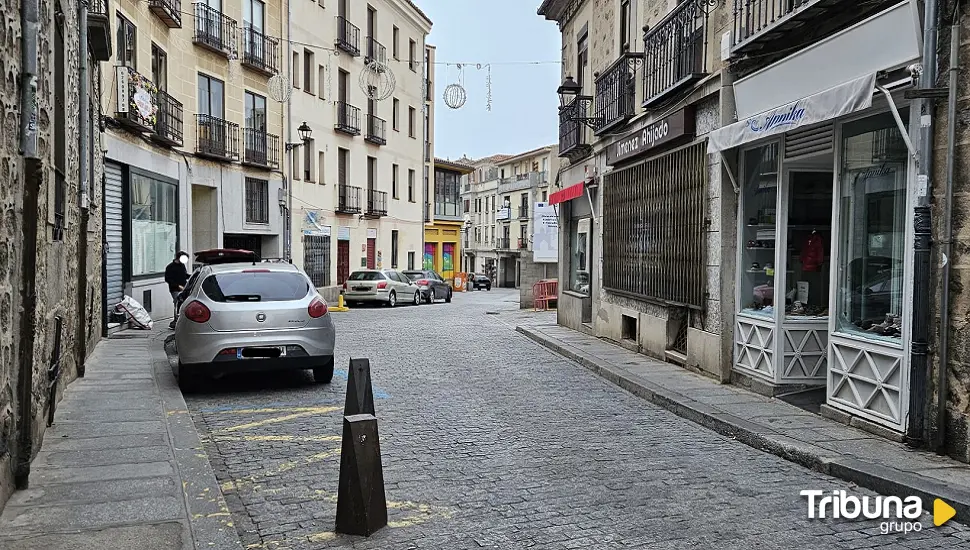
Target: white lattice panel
x,y
754,348
867,382
806,354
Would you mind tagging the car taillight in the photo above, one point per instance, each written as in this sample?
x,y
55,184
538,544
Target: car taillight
x,y
423,282
317,308
382,285
198,312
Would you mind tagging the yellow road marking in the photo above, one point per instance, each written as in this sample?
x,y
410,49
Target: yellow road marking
x,y
274,410
276,420
300,438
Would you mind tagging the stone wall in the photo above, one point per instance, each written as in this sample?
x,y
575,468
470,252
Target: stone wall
x,y
58,268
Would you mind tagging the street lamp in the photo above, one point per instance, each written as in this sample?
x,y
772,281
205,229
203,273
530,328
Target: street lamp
x,y
304,132
577,105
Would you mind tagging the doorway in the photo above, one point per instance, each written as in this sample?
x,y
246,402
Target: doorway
x,y
371,253
343,261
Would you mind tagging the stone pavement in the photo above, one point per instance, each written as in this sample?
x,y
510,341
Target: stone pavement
x,y
769,424
490,440
122,468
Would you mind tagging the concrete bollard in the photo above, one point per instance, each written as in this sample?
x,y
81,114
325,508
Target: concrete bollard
x,y
360,393
361,502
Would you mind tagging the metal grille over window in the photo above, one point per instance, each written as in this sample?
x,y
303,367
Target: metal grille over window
x,y
654,237
257,201
316,259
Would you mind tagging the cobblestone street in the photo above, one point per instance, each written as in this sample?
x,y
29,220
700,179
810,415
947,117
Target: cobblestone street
x,y
491,441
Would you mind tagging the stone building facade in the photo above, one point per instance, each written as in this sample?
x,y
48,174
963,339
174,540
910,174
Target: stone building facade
x,y
50,299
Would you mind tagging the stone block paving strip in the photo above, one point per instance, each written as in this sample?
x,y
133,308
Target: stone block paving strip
x,y
768,424
122,468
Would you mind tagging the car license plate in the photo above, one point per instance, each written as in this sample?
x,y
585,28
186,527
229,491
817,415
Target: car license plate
x,y
362,288
282,350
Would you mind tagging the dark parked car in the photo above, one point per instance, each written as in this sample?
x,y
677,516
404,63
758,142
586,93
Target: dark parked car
x,y
477,281
432,286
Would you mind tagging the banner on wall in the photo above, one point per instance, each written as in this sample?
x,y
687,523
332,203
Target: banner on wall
x,y
429,256
545,239
447,260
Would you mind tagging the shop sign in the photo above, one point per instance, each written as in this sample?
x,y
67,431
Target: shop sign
x,y
639,142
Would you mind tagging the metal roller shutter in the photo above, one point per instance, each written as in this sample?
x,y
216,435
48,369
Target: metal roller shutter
x,y
113,226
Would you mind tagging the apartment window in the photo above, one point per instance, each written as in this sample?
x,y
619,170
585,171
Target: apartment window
x,y
582,58
253,15
446,193
371,173
412,56
159,68
321,78
411,121
60,133
308,66
343,166
396,115
410,185
395,46
257,201
394,186
296,70
625,18
308,154
127,43
321,168
467,205
410,260
255,112
545,196
394,249
211,97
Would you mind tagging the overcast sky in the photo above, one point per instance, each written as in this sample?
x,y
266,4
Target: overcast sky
x,y
524,101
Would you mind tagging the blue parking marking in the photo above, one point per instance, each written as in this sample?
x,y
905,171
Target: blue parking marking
x,y
378,393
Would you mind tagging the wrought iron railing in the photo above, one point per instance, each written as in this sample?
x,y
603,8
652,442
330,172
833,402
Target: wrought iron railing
x,y
616,92
348,36
376,130
376,203
348,199
214,29
572,133
523,212
168,121
216,137
654,239
752,17
260,52
169,11
675,52
348,119
260,148
376,51
503,243
99,29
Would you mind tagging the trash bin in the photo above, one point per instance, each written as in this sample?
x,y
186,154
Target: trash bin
x,y
460,282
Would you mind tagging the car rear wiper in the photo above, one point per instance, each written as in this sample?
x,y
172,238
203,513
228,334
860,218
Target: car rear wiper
x,y
243,298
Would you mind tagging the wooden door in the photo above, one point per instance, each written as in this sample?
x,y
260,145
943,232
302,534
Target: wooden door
x,y
343,261
371,253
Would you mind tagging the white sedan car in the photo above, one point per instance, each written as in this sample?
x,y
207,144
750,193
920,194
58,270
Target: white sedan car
x,y
388,286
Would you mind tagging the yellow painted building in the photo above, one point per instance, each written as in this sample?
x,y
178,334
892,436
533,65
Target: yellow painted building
x,y
445,219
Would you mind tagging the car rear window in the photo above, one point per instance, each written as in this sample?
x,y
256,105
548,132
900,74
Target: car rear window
x,y
264,286
415,275
366,276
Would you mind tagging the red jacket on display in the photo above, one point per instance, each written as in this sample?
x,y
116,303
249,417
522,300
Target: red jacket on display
x,y
812,253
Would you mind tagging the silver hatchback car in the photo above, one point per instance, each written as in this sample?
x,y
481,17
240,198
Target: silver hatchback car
x,y
243,317
388,286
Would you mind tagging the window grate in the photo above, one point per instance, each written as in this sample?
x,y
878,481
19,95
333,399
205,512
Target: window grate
x,y
257,201
316,259
654,237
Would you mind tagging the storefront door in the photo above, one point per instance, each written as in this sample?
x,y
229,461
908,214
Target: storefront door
x,y
343,261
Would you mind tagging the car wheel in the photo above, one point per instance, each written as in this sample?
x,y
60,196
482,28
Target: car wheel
x,y
431,297
448,297
392,299
324,374
489,288
417,298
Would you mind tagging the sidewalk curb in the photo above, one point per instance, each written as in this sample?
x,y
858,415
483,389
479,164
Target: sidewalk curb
x,y
210,522
878,478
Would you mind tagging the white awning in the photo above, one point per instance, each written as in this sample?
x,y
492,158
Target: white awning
x,y
841,100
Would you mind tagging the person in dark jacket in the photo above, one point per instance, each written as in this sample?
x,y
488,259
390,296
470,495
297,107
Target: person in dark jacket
x,y
176,275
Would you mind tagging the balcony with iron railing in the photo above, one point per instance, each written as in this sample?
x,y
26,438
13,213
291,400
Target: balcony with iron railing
x,y
216,138
168,120
214,30
376,130
348,199
523,243
376,204
503,243
518,182
427,151
675,52
168,11
348,36
523,212
765,25
616,92
260,52
99,29
375,51
572,132
260,149
429,90
348,119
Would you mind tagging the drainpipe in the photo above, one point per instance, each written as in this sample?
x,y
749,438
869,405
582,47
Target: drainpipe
x,y
84,129
916,435
288,215
939,438
29,29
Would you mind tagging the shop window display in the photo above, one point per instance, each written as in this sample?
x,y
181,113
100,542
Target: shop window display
x,y
758,230
579,272
809,237
872,230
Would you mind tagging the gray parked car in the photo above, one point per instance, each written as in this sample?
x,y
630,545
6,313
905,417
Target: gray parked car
x,y
432,286
241,317
387,286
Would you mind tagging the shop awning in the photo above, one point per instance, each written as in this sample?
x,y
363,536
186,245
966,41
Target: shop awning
x,y
567,194
841,100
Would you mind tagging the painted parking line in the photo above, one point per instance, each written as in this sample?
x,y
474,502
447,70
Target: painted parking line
x,y
378,393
